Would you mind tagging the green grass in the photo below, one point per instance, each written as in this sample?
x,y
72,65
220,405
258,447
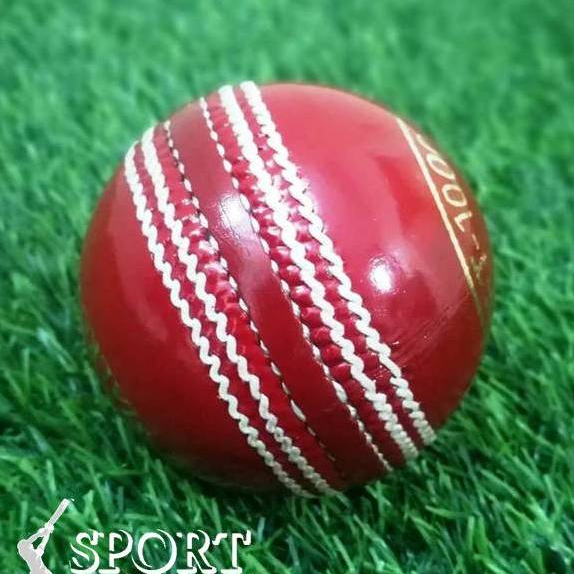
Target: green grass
x,y
492,81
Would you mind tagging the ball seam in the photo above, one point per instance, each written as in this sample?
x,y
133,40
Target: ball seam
x,y
271,196
339,389
195,327
297,188
294,452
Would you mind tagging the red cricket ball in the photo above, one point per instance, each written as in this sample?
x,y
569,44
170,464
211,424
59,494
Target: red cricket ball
x,y
290,284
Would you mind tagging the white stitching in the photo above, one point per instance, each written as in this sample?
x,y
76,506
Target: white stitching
x,y
340,391
219,319
223,262
157,251
297,189
293,452
280,215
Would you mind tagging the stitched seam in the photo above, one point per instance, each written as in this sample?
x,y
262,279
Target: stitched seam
x,y
297,188
211,360
288,233
219,319
224,264
376,386
292,451
340,391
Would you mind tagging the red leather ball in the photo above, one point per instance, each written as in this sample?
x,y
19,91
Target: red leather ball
x,y
291,286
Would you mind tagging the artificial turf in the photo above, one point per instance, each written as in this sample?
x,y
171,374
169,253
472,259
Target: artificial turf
x,y
491,80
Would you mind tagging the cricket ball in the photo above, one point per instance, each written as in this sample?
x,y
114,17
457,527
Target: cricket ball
x,y
291,285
